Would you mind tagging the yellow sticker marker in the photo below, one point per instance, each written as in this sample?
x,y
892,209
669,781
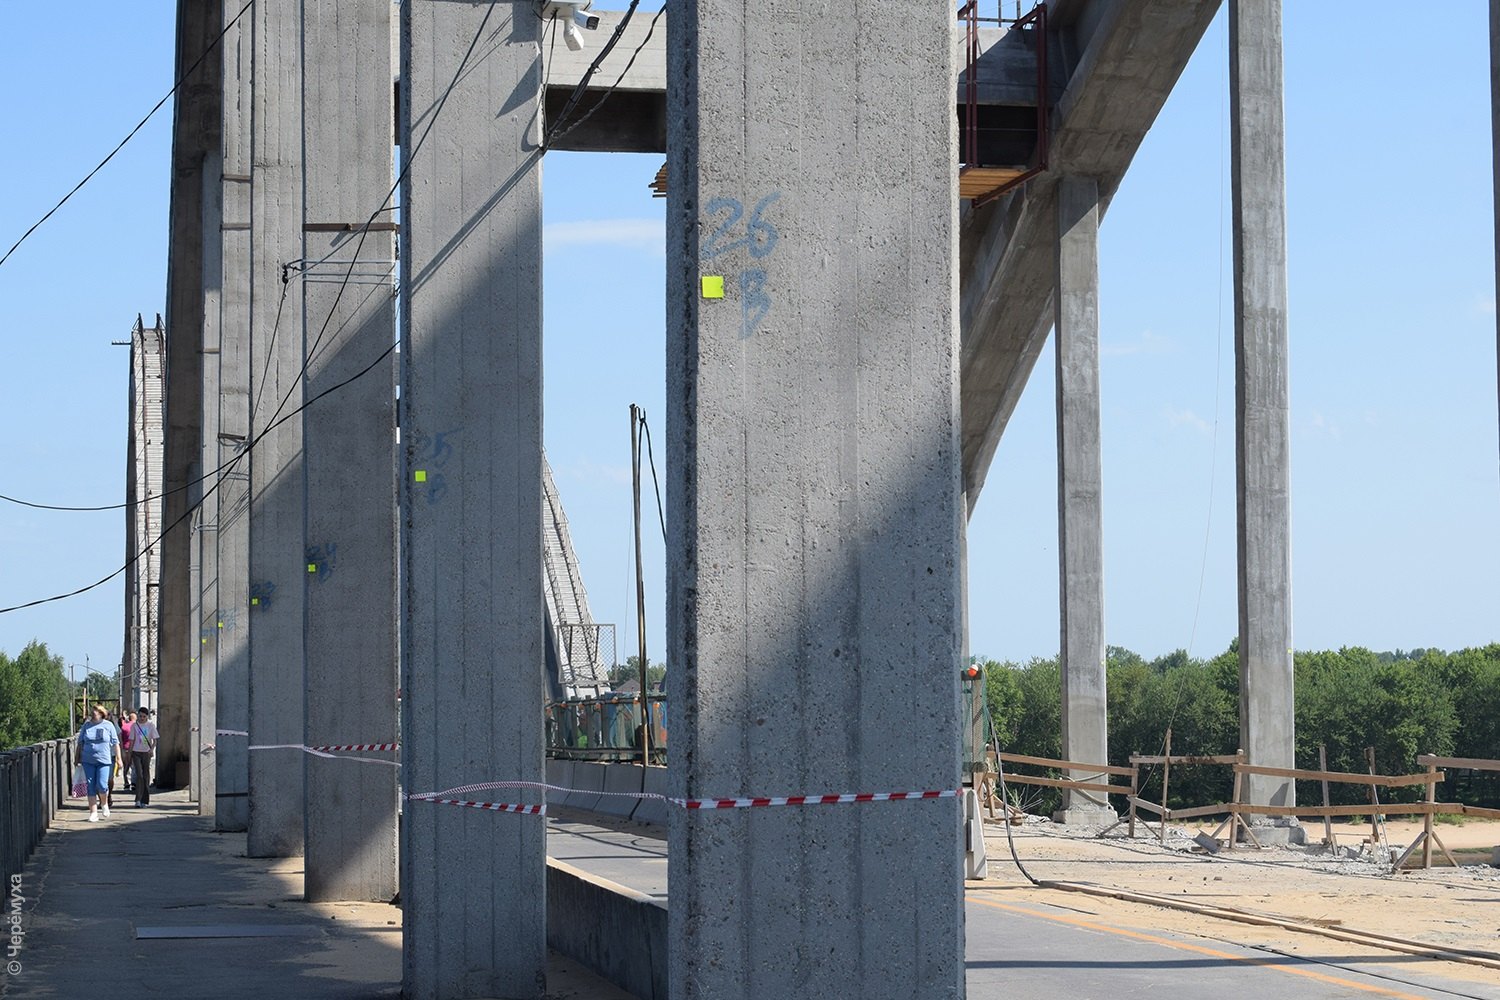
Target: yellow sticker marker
x,y
255,600
221,624
420,475
713,286
205,642
312,567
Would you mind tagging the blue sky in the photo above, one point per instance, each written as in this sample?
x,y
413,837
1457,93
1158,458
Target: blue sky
x,y
1395,488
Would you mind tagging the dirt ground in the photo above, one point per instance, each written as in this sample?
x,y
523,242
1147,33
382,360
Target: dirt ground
x,y
1443,906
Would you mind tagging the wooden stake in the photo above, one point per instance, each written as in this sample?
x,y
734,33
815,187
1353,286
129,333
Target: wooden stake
x,y
1328,837
1166,771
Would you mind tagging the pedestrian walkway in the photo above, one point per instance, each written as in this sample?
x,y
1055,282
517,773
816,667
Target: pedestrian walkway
x,y
152,903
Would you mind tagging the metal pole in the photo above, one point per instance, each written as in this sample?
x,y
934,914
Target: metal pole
x,y
636,415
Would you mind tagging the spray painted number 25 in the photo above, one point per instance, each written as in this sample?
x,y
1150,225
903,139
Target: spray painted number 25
x,y
760,235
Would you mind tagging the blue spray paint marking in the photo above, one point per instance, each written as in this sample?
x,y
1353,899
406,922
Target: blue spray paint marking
x,y
228,618
260,593
754,302
437,488
759,240
325,557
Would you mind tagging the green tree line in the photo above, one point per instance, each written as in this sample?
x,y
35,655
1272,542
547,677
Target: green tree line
x,y
34,693
1402,703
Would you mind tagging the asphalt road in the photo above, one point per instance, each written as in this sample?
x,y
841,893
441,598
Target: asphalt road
x,y
1069,951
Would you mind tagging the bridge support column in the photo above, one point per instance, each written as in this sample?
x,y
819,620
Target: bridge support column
x,y
206,521
349,443
276,473
230,707
814,586
1262,422
1495,140
472,882
1080,514
195,137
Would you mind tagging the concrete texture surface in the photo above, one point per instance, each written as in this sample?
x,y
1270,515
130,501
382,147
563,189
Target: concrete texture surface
x,y
1080,475
203,676
1262,405
349,445
616,931
472,883
225,792
276,486
91,887
813,565
195,135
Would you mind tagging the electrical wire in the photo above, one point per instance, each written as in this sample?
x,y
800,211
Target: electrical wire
x,y
651,457
562,132
556,131
301,268
130,135
277,419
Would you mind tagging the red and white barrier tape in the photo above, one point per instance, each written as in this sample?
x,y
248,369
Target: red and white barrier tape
x,y
323,752
751,802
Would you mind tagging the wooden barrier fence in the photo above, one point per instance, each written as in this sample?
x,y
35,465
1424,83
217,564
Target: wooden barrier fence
x,y
986,782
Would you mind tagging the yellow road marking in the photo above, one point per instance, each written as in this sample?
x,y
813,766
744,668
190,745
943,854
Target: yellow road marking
x,y
1268,961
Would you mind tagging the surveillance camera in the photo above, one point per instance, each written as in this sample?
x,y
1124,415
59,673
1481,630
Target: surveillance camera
x,y
572,36
585,18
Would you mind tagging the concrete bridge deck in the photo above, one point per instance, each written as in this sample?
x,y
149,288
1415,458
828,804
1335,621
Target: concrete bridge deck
x,y
153,903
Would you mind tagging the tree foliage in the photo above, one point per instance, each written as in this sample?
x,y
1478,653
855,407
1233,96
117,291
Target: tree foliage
x,y
1402,704
33,697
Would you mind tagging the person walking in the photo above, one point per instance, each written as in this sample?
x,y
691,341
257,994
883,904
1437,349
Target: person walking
x,y
125,728
143,739
99,753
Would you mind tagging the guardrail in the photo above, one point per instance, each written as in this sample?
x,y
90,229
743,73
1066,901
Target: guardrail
x,y
33,783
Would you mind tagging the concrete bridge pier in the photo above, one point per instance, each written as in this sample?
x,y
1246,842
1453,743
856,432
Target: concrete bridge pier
x,y
1262,411
277,505
814,575
349,446
1080,514
472,658
226,787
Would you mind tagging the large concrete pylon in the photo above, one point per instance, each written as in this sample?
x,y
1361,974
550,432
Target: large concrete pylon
x,y
472,648
813,555
1495,140
349,444
1080,512
1262,411
276,476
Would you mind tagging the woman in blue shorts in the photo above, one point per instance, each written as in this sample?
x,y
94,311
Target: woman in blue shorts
x,y
99,753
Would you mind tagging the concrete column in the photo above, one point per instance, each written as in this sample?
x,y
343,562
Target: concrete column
x,y
276,487
472,883
1262,425
814,578
1080,512
231,706
1495,140
349,448
206,524
195,134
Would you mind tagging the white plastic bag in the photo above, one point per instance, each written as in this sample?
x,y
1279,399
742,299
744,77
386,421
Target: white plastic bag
x,y
80,782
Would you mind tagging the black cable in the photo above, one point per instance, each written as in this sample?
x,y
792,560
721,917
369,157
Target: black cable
x,y
302,270
131,135
560,132
277,419
577,95
651,457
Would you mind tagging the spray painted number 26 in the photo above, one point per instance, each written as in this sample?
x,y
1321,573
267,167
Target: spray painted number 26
x,y
760,235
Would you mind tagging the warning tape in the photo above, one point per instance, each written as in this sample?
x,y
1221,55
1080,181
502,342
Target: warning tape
x,y
445,797
360,747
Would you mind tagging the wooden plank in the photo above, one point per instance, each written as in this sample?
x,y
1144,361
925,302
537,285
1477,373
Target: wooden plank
x,y
1343,777
1386,809
1478,811
1472,763
1082,786
1158,759
1066,765
1215,810
1150,807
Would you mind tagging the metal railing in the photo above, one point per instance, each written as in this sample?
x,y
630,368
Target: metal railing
x,y
34,782
605,728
